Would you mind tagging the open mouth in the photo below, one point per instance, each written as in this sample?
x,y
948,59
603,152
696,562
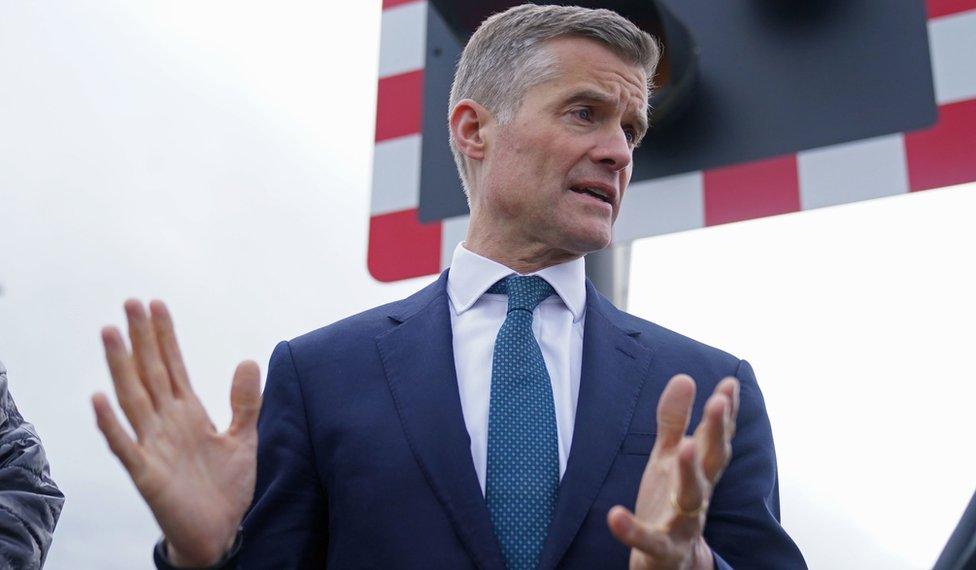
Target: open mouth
x,y
594,192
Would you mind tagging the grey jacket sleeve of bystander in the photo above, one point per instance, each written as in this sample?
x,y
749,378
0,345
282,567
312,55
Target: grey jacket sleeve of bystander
x,y
30,502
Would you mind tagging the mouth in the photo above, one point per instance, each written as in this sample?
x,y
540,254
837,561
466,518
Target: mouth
x,y
597,192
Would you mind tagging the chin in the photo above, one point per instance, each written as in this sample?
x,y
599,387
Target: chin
x,y
592,241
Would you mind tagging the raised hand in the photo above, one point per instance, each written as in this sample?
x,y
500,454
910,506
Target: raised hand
x,y
198,482
665,532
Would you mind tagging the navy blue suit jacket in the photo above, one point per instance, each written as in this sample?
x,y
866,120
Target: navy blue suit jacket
x,y
364,460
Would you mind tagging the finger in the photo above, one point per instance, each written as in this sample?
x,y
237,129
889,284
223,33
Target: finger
x,y
245,397
729,387
119,441
145,350
690,495
132,395
162,323
734,388
674,411
713,437
625,527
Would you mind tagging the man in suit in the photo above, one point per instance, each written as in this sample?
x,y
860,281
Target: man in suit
x,y
506,415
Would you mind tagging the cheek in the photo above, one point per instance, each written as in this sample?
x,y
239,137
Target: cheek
x,y
625,173
625,180
532,167
515,157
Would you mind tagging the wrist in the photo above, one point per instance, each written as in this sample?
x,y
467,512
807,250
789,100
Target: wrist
x,y
203,559
170,558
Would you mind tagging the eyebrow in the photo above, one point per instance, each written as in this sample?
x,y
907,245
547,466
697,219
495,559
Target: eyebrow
x,y
601,98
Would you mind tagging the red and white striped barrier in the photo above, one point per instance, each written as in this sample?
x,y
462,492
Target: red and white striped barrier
x,y
401,247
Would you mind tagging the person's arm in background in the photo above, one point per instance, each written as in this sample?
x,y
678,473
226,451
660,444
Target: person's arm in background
x,y
30,502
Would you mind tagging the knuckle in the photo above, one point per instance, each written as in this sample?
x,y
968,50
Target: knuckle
x,y
158,371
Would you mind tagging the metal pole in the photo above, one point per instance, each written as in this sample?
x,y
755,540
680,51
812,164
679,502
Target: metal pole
x,y
609,270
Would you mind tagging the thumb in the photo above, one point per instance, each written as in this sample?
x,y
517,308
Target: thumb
x,y
245,397
674,410
626,528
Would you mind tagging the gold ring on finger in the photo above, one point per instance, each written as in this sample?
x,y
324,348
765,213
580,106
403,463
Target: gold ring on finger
x,y
684,512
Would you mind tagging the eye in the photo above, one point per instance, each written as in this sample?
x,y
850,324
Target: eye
x,y
632,138
584,113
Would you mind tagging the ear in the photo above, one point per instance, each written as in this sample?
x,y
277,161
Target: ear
x,y
468,123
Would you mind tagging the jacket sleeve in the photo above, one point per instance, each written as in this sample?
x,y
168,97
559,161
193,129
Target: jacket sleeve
x,y
743,526
287,525
30,502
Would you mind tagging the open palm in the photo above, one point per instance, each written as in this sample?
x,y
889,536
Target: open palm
x,y
198,482
665,531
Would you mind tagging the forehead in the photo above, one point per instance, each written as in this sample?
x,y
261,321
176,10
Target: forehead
x,y
581,62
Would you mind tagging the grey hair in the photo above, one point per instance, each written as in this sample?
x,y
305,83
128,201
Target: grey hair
x,y
505,57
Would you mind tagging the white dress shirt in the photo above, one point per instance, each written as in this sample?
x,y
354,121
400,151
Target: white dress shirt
x,y
476,318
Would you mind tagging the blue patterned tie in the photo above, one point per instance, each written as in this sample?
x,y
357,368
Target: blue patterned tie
x,y
523,460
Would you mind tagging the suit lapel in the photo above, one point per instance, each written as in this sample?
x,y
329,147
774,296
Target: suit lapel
x,y
613,371
418,357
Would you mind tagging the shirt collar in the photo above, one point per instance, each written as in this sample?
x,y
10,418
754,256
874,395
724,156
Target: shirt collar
x,y
471,275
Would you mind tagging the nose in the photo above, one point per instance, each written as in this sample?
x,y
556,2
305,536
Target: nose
x,y
612,150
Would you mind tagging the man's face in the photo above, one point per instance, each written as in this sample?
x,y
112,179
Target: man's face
x,y
555,174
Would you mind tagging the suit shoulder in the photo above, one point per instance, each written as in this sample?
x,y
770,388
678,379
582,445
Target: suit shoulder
x,y
354,328
351,331
667,343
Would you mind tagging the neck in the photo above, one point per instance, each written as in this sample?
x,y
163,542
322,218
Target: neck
x,y
513,251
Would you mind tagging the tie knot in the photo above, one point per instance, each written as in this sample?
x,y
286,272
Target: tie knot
x,y
523,292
